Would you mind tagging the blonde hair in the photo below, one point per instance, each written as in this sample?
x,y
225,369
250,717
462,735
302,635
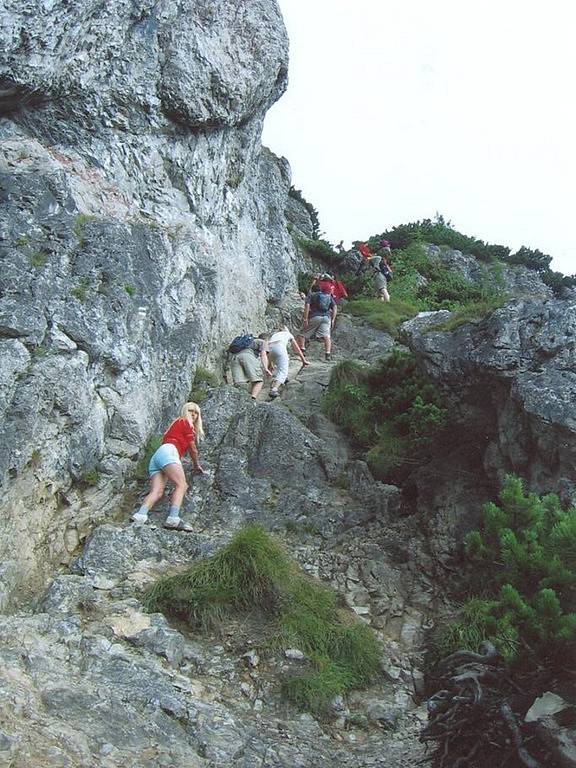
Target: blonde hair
x,y
189,410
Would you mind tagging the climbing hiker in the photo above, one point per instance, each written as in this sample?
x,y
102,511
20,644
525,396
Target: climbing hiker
x,y
382,274
340,247
166,466
366,255
278,354
249,361
320,312
386,247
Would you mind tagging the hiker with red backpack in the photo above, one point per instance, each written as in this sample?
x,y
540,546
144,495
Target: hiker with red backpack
x,y
248,358
320,312
166,466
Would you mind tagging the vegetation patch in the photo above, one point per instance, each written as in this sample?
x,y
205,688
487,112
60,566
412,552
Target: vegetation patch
x,y
523,566
150,448
441,232
390,409
201,384
81,290
38,259
253,574
471,313
385,315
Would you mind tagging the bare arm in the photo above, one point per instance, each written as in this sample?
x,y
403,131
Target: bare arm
x,y
296,348
264,359
193,451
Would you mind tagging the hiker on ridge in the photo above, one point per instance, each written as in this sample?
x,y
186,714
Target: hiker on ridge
x,y
166,466
382,274
366,254
320,312
249,362
278,354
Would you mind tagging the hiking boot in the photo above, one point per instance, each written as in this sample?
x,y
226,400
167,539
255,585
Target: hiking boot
x,y
177,524
327,357
273,393
139,519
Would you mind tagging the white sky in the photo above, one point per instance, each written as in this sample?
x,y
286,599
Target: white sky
x,y
397,109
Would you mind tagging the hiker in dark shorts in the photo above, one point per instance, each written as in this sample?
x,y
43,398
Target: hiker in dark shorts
x,y
166,466
320,312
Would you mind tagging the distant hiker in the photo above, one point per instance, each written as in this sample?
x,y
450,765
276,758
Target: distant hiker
x,y
278,354
249,362
366,255
319,317
386,247
340,247
166,466
382,274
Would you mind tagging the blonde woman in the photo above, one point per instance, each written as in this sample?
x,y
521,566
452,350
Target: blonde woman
x,y
166,466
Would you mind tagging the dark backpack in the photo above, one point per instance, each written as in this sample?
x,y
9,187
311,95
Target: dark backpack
x,y
321,302
241,342
386,271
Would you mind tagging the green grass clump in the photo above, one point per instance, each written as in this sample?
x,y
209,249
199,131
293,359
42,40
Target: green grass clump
x,y
385,315
203,380
90,478
81,290
80,222
38,259
254,574
469,314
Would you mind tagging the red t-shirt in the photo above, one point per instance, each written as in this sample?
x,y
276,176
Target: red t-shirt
x,y
181,434
364,250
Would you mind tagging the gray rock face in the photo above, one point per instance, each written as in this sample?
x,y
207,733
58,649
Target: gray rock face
x,y
515,280
142,225
90,678
511,382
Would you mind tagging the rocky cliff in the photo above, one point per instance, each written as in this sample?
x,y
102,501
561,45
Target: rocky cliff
x,y
142,224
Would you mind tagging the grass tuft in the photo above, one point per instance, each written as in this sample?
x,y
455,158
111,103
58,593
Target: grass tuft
x,y
253,573
470,313
384,315
203,380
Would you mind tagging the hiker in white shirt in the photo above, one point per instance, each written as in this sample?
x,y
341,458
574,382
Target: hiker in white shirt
x,y
278,355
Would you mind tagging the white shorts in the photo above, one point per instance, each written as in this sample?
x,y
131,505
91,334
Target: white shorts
x,y
281,360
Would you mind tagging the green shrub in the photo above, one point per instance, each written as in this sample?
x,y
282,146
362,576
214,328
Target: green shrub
x,y
254,574
321,250
130,289
203,380
305,280
151,447
524,558
390,409
297,195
